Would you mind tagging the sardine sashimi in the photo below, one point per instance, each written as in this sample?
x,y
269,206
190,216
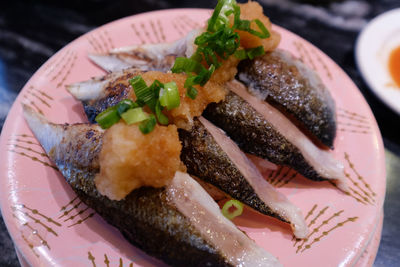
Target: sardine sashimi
x,y
213,157
159,57
236,186
262,130
179,224
289,85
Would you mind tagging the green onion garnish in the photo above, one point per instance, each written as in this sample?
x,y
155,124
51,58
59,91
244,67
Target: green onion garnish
x,y
144,93
162,119
191,92
241,54
134,115
232,209
148,125
108,117
169,96
184,64
125,104
255,52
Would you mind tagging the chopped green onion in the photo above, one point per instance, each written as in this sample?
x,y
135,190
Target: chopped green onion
x,y
263,33
169,96
108,117
183,64
191,92
255,52
241,54
148,125
142,91
232,209
125,104
134,115
162,119
213,20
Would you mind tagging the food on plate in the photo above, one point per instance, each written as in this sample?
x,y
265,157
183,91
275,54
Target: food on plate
x,y
130,167
298,94
100,93
261,130
179,223
294,89
196,155
214,158
243,117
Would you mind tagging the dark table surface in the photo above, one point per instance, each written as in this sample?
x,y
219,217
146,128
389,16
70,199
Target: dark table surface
x,y
32,31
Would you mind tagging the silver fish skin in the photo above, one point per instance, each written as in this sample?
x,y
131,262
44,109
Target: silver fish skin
x,y
146,57
163,222
292,87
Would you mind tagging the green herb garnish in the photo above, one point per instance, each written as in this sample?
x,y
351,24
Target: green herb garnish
x,y
232,209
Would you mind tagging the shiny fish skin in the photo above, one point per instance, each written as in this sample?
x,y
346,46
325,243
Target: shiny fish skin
x,y
145,216
255,135
289,85
205,159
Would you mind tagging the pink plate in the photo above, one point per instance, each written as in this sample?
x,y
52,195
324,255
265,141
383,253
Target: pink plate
x,y
50,226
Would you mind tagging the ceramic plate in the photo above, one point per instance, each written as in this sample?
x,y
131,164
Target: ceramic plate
x,y
373,48
51,226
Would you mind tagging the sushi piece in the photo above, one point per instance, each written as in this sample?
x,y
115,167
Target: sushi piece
x,y
145,57
214,158
179,223
294,89
263,131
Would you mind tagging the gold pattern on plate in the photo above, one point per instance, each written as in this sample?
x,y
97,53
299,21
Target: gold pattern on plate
x,y
100,41
137,33
57,62
359,189
181,24
311,57
304,54
72,210
352,122
66,75
316,225
34,221
65,63
149,32
30,245
107,261
19,146
322,63
161,29
282,176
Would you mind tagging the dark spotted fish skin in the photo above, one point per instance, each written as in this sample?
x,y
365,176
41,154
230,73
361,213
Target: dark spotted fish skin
x,y
205,159
293,88
117,90
255,135
144,217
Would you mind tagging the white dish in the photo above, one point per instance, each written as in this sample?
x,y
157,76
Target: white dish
x,y
374,45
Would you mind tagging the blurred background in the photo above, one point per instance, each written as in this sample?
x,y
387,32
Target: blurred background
x,y
32,31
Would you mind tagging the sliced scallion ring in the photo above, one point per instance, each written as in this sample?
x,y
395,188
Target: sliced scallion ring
x,y
148,125
169,96
108,117
134,115
232,209
162,119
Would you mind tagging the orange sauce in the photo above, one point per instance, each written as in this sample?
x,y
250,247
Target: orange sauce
x,y
394,65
